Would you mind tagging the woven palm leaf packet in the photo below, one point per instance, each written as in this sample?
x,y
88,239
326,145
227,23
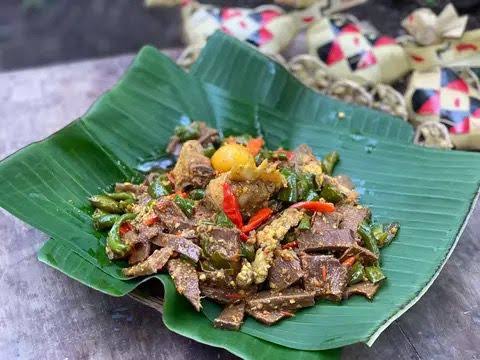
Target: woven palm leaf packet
x,y
449,97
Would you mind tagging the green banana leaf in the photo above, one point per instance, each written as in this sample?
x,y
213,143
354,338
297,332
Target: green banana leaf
x,y
429,192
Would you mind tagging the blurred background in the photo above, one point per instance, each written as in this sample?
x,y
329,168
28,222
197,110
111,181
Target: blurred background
x,y
40,32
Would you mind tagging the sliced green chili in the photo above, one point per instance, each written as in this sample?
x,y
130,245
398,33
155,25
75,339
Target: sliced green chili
x,y
356,273
160,186
114,241
369,240
329,162
121,196
248,251
186,205
331,194
223,221
374,274
102,220
197,194
105,203
305,223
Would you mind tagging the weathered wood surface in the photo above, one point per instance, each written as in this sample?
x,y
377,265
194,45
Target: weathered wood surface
x,y
44,314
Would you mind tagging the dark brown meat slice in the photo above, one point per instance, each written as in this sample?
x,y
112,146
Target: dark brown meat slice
x,y
193,169
179,244
324,222
146,233
224,241
186,280
218,294
366,289
203,212
269,317
324,275
288,299
339,239
353,215
151,265
231,318
363,254
140,252
171,216
285,270
217,278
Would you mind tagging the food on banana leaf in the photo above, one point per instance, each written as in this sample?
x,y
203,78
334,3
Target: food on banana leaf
x,y
263,232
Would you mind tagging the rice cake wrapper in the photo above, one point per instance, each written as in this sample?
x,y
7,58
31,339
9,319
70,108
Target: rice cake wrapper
x,y
444,95
267,27
450,53
350,52
427,28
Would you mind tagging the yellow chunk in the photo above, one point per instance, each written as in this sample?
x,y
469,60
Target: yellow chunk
x,y
229,155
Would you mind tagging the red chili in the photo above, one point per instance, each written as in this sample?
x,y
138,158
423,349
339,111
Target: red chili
x,y
255,145
289,154
290,245
257,219
324,273
349,261
151,220
317,206
124,228
243,236
231,207
287,313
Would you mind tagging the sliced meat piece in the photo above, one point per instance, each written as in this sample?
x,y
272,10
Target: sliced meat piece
x,y
171,216
344,186
353,215
269,317
179,244
218,278
231,318
345,181
364,255
366,289
146,233
203,212
129,187
185,278
324,222
224,241
193,169
339,239
154,263
269,238
288,299
305,161
140,252
285,271
324,275
221,295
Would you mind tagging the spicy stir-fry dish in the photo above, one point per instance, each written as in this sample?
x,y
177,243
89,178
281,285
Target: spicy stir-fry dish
x,y
262,232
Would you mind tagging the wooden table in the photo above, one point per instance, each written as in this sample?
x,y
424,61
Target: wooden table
x,y
44,314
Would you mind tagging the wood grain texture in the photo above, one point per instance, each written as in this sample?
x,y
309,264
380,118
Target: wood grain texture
x,y
44,312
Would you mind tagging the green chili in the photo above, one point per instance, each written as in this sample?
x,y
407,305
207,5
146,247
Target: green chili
x,y
188,132
114,241
197,194
105,203
186,205
248,251
223,221
102,220
374,274
384,233
391,230
121,196
331,194
160,186
329,162
369,240
305,223
356,273
289,194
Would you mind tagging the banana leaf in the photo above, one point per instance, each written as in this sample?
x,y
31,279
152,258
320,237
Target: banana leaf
x,y
430,192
